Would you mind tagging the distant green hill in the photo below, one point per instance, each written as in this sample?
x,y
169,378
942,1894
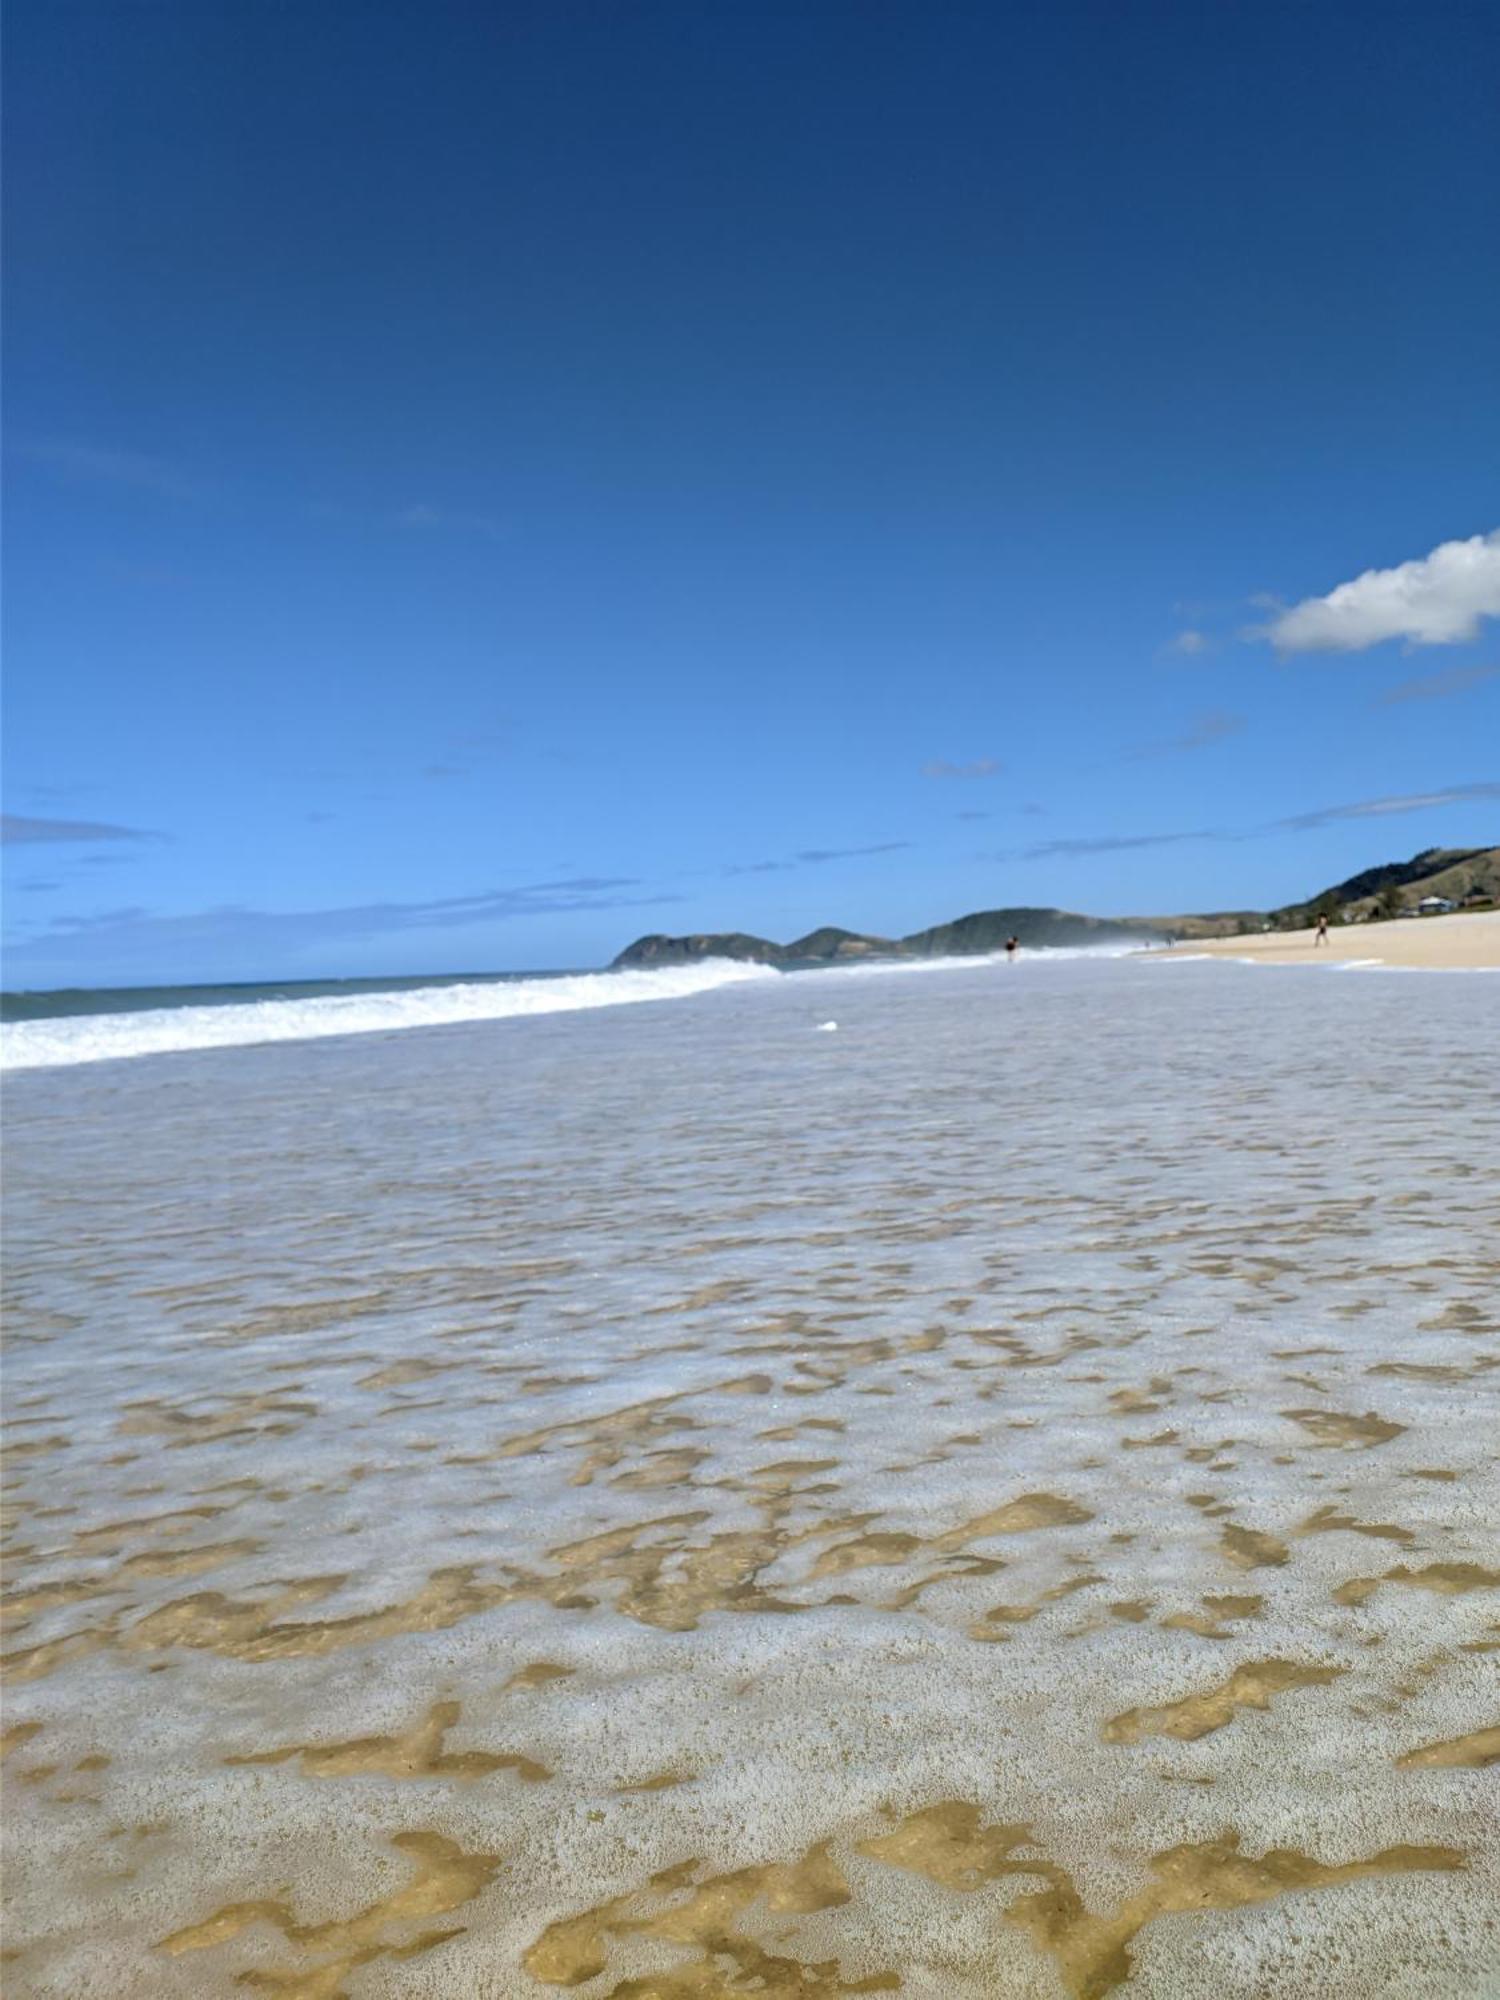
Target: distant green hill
x,y
1038,929
659,950
832,943
1393,887
983,931
1454,872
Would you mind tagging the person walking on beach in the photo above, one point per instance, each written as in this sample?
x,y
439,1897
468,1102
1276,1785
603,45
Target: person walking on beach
x,y
1322,931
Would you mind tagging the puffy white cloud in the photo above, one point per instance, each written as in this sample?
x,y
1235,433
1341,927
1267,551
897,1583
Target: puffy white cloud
x,y
1437,600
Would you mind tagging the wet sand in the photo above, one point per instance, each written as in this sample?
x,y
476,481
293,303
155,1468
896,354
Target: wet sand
x,y
994,1503
1437,944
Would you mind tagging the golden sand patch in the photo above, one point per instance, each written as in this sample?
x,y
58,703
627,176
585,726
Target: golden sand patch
x,y
1250,1548
188,1562
538,1674
34,1663
1093,1952
876,1550
249,1414
1419,1371
663,1468
1250,1686
414,1753
445,1879
1476,1751
1446,1579
1203,1624
413,1368
631,1419
1024,1515
1235,1607
947,1844
1334,1428
113,1535
50,1595
1330,1520
694,1910
253,1628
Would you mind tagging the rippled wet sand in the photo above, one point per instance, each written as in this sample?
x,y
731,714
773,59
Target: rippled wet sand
x,y
996,1501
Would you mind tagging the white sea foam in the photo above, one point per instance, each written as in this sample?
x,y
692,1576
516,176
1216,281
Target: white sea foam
x,y
1307,965
660,1406
977,962
85,1038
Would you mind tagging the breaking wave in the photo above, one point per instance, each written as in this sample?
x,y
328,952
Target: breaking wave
x,y
85,1038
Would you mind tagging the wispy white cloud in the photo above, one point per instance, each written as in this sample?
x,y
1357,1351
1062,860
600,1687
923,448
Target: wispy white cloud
x,y
1049,850
979,767
18,831
1191,643
1438,600
1439,686
816,854
1212,726
813,857
1380,808
137,936
1409,802
95,465
453,521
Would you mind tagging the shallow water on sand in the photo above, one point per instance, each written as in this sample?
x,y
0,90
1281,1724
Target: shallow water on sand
x,y
998,1500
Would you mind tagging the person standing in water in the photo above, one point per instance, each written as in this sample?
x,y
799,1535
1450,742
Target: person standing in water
x,y
1012,945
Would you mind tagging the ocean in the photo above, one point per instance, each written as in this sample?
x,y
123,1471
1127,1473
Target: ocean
x,y
976,1481
47,1029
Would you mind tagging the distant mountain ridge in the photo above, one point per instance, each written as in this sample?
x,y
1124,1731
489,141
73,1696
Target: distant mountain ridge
x,y
981,932
1458,873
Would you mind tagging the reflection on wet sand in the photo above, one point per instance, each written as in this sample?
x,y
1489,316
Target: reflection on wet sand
x,y
684,1507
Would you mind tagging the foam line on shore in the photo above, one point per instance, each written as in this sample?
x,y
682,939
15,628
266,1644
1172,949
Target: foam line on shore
x,y
85,1038
67,1040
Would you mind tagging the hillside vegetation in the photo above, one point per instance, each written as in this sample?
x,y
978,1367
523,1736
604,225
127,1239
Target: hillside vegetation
x,y
982,931
1393,888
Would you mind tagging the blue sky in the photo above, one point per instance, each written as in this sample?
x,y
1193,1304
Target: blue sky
x,y
484,482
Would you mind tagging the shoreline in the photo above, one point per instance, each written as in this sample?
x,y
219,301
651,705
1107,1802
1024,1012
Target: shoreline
x,y
598,1470
1457,943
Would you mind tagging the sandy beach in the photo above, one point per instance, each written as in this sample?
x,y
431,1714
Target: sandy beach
x,y
1434,944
